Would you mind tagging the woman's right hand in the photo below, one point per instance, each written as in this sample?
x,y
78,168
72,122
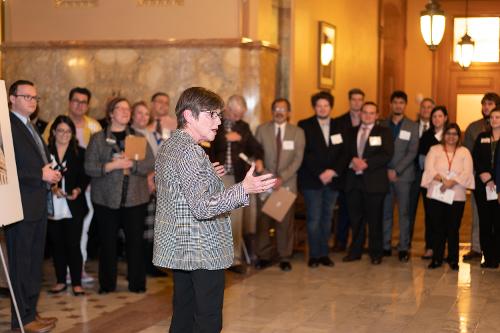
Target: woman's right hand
x,y
257,184
119,163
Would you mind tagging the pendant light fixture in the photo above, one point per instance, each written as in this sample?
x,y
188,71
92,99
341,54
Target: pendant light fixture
x,y
432,24
466,44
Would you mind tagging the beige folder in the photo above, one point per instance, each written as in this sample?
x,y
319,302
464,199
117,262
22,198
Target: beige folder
x,y
279,203
135,147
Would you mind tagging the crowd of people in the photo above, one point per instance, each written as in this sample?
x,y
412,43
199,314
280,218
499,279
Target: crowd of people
x,y
76,174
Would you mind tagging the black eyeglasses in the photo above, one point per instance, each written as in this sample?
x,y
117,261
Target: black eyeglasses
x,y
29,98
213,114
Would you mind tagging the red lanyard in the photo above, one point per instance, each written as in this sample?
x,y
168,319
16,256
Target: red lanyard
x,y
450,161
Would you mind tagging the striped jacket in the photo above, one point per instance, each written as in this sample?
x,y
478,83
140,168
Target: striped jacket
x,y
192,227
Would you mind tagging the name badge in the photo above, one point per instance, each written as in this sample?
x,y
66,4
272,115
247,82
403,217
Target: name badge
x,y
375,140
336,139
485,140
404,135
288,145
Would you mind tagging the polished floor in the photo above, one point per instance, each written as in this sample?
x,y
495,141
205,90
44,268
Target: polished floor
x,y
350,297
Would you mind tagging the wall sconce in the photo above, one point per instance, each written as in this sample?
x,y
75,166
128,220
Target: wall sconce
x,y
432,24
326,55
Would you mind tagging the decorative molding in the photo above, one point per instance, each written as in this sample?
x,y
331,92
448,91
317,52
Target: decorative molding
x,y
160,2
75,3
151,43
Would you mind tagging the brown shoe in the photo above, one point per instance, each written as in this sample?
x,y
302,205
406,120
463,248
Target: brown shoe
x,y
45,320
36,327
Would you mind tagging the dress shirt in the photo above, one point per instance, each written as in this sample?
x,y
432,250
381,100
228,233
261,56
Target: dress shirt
x,y
436,162
325,128
422,127
370,127
282,128
355,120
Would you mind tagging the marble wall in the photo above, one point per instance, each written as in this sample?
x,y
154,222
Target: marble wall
x,y
137,69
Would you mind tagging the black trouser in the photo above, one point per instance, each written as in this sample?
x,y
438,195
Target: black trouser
x,y
445,221
109,221
489,225
25,244
365,209
64,236
414,196
428,232
343,224
198,298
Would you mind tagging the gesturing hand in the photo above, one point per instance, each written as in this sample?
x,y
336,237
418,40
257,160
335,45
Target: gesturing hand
x,y
50,176
219,169
257,184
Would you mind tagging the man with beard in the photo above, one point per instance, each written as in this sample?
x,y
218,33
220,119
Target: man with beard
x,y
489,101
401,173
283,145
319,176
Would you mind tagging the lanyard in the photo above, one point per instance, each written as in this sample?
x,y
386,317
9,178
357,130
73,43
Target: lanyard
x,y
450,161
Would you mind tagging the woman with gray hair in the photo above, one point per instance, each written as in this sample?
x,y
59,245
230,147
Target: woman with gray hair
x,y
192,227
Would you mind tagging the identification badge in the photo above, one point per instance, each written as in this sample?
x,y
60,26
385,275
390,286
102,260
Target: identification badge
x,y
491,194
288,145
375,140
404,135
485,140
336,139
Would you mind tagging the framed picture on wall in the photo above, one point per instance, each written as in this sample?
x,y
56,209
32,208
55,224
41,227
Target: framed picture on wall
x,y
326,55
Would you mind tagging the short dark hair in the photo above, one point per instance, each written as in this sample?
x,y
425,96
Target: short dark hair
x,y
13,86
355,91
322,95
159,93
441,108
110,107
196,99
79,90
399,94
449,127
281,99
497,109
370,103
491,96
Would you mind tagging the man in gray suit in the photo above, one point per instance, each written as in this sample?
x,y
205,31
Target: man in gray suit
x,y
401,173
283,145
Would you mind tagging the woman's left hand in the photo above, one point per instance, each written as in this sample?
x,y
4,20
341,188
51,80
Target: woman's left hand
x,y
219,169
74,194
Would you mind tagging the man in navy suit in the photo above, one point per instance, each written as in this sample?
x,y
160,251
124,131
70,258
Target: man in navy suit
x,y
369,149
26,238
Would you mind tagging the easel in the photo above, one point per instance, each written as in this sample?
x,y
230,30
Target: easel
x,y
12,295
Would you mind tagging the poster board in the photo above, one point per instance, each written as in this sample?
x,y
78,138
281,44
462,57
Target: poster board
x,y
10,197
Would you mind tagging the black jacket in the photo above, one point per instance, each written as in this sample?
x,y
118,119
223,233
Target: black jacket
x,y
482,156
29,164
74,176
375,178
247,145
319,156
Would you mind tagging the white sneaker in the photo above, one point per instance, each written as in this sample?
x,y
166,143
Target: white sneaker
x,y
86,278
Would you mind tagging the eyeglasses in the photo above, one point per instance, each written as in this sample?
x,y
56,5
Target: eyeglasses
x,y
29,98
213,114
63,131
79,102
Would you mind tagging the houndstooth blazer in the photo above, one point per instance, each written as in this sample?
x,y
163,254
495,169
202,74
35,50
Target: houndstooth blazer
x,y
192,227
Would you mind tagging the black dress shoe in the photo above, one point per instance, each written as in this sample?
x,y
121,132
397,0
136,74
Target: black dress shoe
x,y
387,253
487,264
285,266
350,258
326,261
376,260
262,263
313,262
453,265
404,256
435,264
58,290
424,257
471,255
238,269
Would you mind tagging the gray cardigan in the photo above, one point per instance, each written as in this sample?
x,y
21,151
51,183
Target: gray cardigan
x,y
192,226
106,188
